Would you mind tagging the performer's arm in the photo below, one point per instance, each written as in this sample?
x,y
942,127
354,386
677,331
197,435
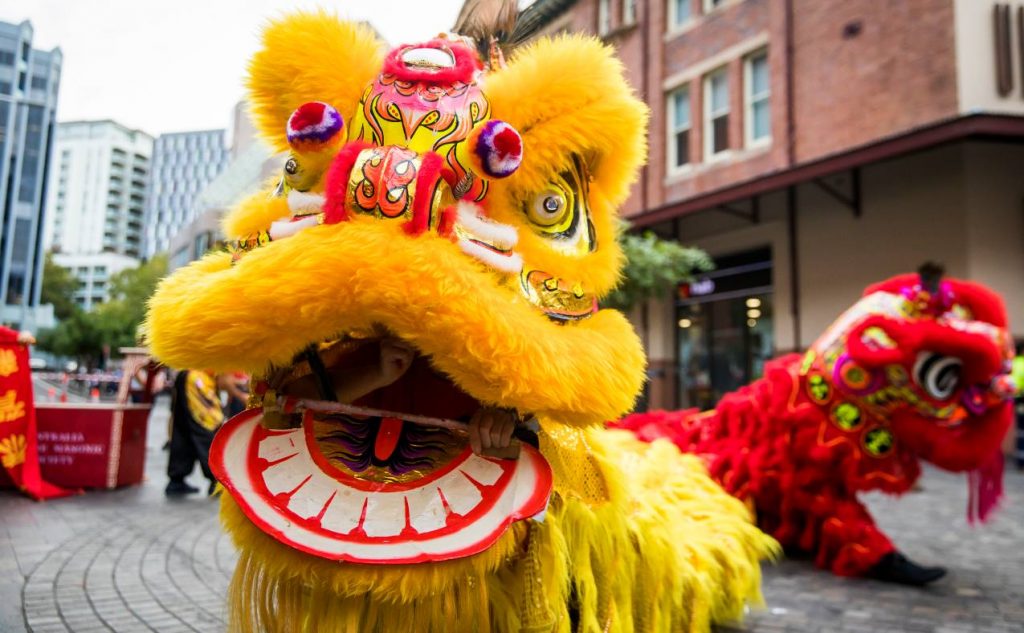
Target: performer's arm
x,y
7,335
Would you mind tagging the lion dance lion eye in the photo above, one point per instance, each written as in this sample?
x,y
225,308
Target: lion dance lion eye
x,y
549,210
937,374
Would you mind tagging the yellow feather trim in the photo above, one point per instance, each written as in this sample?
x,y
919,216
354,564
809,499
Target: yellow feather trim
x,y
667,551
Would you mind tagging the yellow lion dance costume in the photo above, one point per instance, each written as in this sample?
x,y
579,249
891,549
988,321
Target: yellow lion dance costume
x,y
409,210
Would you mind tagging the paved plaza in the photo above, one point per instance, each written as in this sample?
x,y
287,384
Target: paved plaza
x,y
130,560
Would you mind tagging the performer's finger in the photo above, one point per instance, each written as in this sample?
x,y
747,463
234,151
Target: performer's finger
x,y
502,433
474,434
486,419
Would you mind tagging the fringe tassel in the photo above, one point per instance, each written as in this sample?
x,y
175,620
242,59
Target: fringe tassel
x,y
985,489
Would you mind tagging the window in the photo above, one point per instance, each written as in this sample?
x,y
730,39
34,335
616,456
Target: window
x,y
628,12
678,13
15,288
716,112
679,128
758,89
22,237
6,58
39,83
604,17
711,5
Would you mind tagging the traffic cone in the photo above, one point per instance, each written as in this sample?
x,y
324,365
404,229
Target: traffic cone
x,y
94,394
51,394
63,396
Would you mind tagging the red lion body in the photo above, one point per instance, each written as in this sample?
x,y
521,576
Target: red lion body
x,y
907,373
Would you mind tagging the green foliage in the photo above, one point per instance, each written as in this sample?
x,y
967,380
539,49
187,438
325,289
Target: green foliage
x,y
654,267
113,324
59,286
76,337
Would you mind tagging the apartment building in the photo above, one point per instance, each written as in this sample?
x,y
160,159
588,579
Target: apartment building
x,y
29,86
813,147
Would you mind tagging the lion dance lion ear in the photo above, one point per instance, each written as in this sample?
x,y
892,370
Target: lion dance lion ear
x,y
310,57
568,95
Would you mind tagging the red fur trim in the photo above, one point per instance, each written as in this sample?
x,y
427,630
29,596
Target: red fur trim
x,y
466,63
427,181
336,182
962,448
985,304
982,357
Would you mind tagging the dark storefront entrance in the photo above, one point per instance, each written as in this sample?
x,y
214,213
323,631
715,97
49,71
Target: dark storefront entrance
x,y
724,328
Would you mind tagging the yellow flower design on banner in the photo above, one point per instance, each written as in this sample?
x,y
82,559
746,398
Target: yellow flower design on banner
x,y
11,408
8,362
12,451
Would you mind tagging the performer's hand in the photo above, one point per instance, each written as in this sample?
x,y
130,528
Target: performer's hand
x,y
25,338
395,359
490,433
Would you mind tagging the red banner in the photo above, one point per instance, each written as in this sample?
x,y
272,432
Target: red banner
x,y
18,452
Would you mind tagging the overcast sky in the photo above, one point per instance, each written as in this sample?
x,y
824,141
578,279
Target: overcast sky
x,y
176,65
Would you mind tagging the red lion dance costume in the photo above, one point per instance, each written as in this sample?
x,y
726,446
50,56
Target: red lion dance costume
x,y
917,369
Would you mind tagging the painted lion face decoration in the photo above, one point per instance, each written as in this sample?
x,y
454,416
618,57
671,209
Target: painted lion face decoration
x,y
469,212
919,367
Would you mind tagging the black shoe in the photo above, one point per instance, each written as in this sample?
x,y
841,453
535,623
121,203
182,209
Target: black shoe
x,y
179,488
895,567
212,490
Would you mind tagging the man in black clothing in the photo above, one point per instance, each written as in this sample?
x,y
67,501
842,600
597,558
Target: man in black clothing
x,y
196,415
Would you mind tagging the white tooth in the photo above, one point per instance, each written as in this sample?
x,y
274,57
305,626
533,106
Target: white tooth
x,y
385,514
481,470
287,228
303,202
342,516
286,475
426,510
502,236
512,263
280,445
461,494
310,500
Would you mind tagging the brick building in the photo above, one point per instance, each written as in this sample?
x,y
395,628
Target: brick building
x,y
812,147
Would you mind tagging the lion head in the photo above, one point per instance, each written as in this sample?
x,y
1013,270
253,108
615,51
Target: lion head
x,y
468,212
918,367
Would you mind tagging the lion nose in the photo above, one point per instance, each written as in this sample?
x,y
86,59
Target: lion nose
x,y
386,182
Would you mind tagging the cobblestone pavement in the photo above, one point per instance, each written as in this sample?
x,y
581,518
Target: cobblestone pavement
x,y
130,560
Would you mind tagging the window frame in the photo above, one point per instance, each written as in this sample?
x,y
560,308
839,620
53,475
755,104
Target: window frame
x,y
604,17
672,162
709,115
749,97
629,11
674,25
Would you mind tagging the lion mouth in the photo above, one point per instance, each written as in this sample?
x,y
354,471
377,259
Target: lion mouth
x,y
394,433
373,488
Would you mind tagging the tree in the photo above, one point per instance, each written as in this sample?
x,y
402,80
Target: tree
x,y
114,324
120,317
653,268
77,336
59,286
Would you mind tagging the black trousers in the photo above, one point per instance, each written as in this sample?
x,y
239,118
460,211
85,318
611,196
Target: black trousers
x,y
190,441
